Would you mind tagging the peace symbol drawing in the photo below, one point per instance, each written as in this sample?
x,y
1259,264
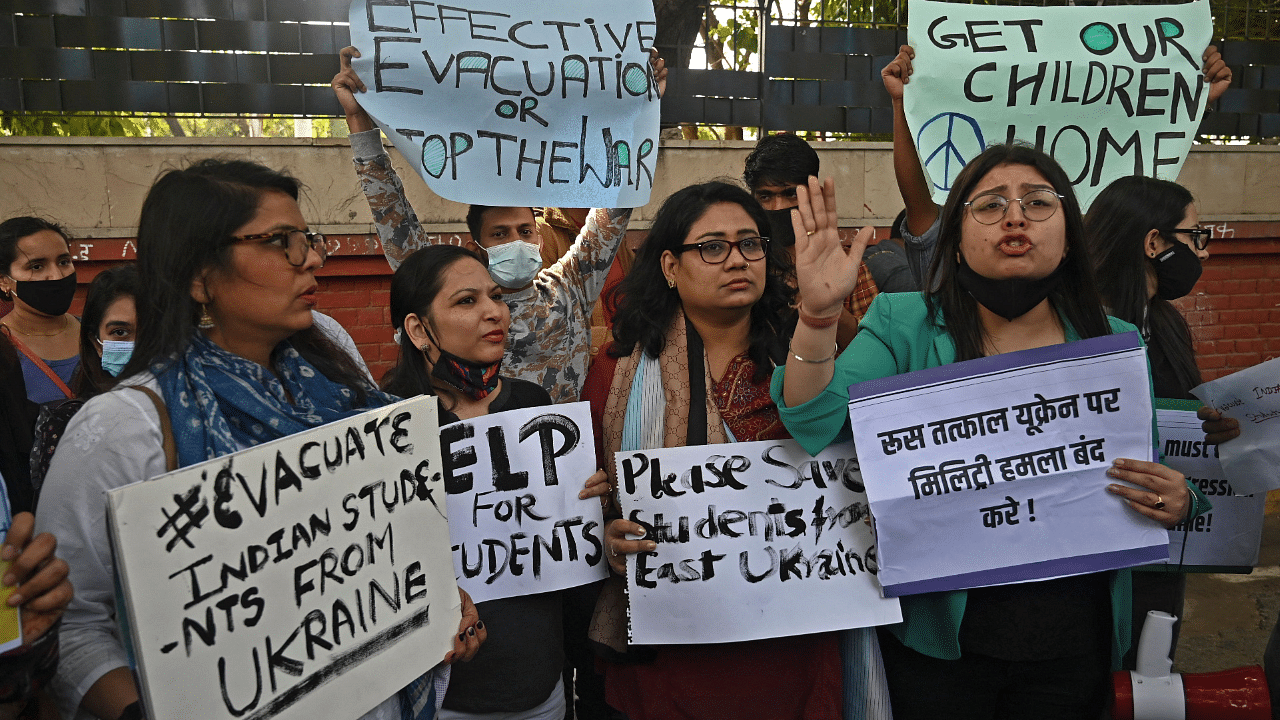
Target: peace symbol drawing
x,y
946,142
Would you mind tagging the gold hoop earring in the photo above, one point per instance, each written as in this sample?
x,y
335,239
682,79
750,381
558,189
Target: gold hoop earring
x,y
206,321
671,283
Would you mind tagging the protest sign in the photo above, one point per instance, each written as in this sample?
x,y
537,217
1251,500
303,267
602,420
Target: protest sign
x,y
1108,91
1252,397
755,540
515,104
993,470
512,480
304,577
1226,537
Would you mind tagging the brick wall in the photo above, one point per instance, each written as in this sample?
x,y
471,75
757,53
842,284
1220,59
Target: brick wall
x,y
1234,311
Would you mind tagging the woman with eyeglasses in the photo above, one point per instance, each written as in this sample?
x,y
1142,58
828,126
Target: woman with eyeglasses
x,y
229,351
1011,273
1147,247
702,319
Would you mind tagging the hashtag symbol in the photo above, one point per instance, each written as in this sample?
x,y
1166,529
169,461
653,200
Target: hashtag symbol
x,y
190,513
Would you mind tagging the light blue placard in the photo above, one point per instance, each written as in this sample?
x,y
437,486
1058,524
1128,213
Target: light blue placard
x,y
1108,91
515,104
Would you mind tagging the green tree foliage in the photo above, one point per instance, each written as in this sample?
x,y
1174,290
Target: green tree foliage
x,y
127,125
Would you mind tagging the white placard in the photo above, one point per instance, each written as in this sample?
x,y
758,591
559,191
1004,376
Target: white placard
x,y
1230,534
515,104
513,480
1251,396
755,540
305,577
1109,91
994,470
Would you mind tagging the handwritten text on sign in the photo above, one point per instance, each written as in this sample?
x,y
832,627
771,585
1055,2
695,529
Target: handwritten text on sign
x,y
1108,91
994,470
502,103
1230,533
513,480
1252,397
304,577
748,533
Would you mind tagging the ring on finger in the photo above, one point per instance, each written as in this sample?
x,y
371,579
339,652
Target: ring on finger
x,y
1159,503
612,550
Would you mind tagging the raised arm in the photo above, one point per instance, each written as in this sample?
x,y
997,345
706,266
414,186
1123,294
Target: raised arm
x,y
826,272
399,230
912,185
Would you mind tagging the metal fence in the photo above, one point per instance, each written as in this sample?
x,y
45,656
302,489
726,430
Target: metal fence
x,y
771,64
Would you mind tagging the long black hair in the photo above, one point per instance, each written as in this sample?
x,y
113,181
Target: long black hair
x,y
186,228
1117,226
1076,297
646,306
120,281
414,287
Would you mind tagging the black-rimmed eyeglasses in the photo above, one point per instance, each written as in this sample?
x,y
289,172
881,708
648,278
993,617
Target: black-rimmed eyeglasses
x,y
295,243
717,251
1199,236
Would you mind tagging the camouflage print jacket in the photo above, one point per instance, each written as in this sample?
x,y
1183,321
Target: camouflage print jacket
x,y
550,338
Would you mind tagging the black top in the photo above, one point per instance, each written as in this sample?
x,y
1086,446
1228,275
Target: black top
x,y
1042,620
520,662
18,420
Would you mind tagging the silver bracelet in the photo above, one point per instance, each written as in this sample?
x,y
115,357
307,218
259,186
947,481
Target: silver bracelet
x,y
834,351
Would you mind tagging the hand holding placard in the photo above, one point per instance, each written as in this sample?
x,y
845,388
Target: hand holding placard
x,y
1164,497
42,589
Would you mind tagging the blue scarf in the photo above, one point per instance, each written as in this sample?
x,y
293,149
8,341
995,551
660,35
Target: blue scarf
x,y
220,402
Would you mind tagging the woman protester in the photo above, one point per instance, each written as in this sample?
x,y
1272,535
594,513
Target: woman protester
x,y
226,337
1011,273
453,325
106,343
702,319
41,280
108,328
1147,247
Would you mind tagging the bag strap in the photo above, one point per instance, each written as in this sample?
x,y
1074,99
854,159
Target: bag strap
x,y
166,428
39,363
697,432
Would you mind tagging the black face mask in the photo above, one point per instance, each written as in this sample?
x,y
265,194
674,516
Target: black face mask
x,y
1010,298
1177,270
781,233
50,297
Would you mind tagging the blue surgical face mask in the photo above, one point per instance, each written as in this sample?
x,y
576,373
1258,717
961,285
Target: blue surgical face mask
x,y
514,264
115,355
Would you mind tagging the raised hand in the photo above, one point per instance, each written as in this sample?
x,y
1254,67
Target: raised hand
x,y
826,272
345,86
898,72
1216,72
659,71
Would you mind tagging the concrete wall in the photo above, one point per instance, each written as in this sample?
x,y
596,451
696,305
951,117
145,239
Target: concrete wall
x,y
95,187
